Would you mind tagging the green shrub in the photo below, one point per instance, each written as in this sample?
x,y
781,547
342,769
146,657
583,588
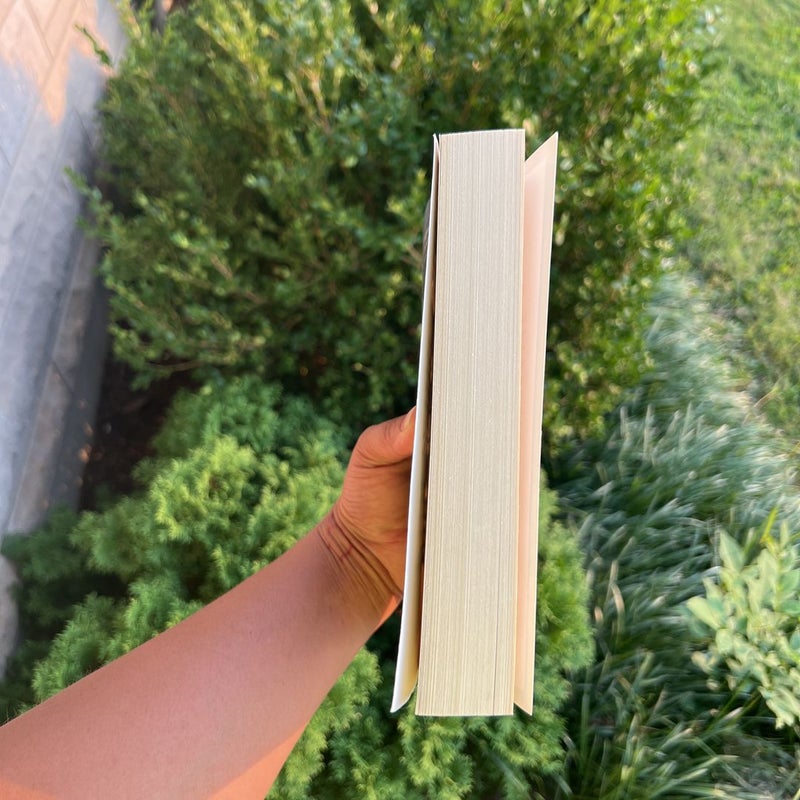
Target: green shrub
x,y
53,578
239,474
268,163
749,619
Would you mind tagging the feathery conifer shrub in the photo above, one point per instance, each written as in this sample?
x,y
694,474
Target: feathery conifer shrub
x,y
241,471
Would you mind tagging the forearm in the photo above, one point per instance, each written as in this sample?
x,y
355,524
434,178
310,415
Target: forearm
x,y
213,706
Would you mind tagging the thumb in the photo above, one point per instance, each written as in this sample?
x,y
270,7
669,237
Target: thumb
x,y
388,442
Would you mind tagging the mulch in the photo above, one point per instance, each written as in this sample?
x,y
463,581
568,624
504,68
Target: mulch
x,y
127,420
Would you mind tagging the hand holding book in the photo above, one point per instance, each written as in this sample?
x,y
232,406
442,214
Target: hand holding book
x,y
366,528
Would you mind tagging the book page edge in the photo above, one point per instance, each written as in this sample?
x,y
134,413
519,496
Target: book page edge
x,y
408,647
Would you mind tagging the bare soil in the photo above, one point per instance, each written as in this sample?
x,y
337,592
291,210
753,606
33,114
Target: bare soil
x,y
127,420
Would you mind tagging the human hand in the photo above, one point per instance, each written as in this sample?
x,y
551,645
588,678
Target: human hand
x,y
366,528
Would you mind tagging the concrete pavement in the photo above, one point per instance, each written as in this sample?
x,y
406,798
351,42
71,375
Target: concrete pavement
x,y
52,324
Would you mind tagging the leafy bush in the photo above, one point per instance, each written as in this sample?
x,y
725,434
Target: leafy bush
x,y
268,167
240,473
752,614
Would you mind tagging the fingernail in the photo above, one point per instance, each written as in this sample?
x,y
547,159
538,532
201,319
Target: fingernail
x,y
407,419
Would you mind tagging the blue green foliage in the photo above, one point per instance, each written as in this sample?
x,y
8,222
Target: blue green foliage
x,y
684,458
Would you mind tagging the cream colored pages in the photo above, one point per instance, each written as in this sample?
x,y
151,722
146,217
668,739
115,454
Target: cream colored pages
x,y
538,183
408,651
469,582
540,176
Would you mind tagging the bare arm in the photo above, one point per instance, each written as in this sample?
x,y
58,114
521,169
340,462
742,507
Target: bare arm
x,y
212,707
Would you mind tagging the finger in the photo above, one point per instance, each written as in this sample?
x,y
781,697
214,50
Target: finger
x,y
387,442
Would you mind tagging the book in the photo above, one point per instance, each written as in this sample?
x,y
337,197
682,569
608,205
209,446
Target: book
x,y
467,638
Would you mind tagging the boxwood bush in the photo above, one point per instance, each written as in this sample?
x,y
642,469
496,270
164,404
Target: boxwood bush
x,y
267,170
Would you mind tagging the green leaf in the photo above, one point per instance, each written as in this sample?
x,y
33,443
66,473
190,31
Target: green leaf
x,y
731,553
726,642
708,614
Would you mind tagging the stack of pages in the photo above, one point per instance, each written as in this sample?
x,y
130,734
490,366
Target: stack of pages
x,y
468,620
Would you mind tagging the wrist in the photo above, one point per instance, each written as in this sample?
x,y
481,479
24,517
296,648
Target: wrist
x,y
364,582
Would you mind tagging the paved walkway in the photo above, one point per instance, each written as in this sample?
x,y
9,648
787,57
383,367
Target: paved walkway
x,y
51,315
